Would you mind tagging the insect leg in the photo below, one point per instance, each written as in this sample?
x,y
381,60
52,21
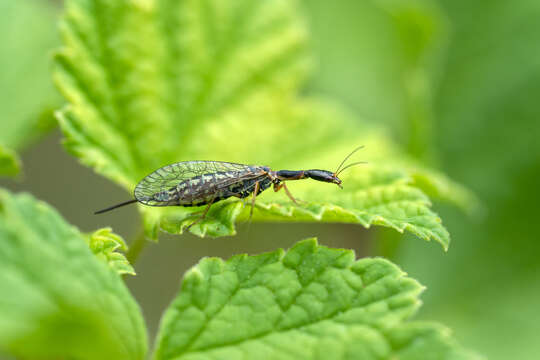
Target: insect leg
x,y
278,187
289,194
255,192
201,218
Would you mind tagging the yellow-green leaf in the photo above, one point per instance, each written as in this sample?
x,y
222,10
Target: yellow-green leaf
x,y
150,83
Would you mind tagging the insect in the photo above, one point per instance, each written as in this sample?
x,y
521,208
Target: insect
x,y
197,183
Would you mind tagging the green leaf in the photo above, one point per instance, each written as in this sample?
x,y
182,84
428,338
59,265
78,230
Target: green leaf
x,y
387,78
153,83
491,74
27,94
439,186
423,340
58,300
147,80
374,196
104,243
304,304
487,73
10,164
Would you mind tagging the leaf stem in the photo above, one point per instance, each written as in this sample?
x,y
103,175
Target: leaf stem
x,y
136,247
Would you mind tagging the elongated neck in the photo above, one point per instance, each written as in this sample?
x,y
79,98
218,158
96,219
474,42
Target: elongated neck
x,y
290,174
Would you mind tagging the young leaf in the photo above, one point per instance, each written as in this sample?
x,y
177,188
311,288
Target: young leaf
x,y
58,300
10,164
304,304
104,243
157,82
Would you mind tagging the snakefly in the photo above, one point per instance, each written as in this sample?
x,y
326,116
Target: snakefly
x,y
197,183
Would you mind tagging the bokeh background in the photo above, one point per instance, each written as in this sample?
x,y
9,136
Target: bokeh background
x,y
455,82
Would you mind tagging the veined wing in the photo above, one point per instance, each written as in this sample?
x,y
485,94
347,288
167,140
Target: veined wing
x,y
169,176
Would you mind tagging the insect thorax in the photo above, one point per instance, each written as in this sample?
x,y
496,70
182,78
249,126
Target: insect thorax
x,y
245,188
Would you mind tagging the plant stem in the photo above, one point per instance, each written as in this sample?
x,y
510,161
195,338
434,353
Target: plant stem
x,y
419,115
136,247
388,243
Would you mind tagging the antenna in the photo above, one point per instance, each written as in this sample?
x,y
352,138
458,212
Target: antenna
x,y
347,157
350,165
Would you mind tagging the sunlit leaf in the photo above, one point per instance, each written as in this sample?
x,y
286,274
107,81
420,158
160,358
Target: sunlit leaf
x,y
157,82
372,197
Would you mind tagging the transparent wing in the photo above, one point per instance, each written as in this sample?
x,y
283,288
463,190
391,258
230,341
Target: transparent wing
x,y
170,176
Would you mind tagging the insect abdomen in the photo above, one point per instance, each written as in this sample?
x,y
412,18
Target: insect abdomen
x,y
204,189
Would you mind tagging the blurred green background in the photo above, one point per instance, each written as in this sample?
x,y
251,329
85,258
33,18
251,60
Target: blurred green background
x,y
455,82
